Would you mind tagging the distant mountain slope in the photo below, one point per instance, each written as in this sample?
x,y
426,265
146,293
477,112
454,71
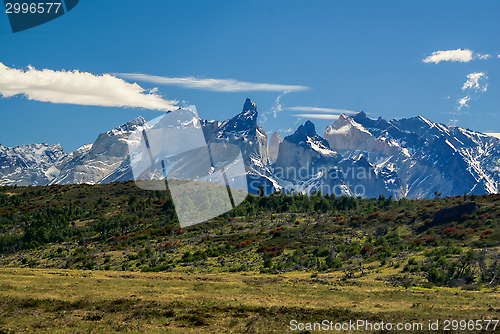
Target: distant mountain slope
x,y
409,157
93,163
307,163
35,164
423,156
242,131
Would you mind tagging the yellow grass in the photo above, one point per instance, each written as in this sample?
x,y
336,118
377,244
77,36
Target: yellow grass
x,y
70,301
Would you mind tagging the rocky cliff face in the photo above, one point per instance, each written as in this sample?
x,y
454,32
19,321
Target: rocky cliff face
x,y
347,134
306,163
273,148
244,132
93,163
304,149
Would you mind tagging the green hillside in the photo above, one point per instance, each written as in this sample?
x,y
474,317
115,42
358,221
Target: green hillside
x,y
118,226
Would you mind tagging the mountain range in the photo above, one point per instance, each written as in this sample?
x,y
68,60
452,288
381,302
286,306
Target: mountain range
x,y
355,156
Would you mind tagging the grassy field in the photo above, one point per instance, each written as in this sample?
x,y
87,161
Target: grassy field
x,y
112,258
74,301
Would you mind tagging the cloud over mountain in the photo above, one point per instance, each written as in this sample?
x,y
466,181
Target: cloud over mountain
x,y
216,85
318,116
319,113
75,87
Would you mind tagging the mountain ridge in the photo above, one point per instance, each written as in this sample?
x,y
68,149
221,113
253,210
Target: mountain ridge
x,y
409,157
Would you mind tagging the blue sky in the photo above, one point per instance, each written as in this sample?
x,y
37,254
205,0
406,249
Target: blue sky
x,y
296,60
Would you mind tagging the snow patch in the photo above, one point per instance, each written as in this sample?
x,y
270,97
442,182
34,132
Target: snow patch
x,y
320,148
450,145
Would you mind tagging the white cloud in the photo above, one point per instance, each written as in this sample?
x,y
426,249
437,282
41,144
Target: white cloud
x,y
473,81
475,86
480,56
463,102
320,116
320,113
323,110
262,118
281,131
450,55
459,55
277,107
217,85
76,87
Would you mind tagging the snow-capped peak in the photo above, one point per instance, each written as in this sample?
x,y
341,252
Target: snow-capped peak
x,y
306,134
128,127
249,105
344,125
244,121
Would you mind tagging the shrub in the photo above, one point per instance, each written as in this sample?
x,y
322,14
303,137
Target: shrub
x,y
268,263
366,250
485,233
